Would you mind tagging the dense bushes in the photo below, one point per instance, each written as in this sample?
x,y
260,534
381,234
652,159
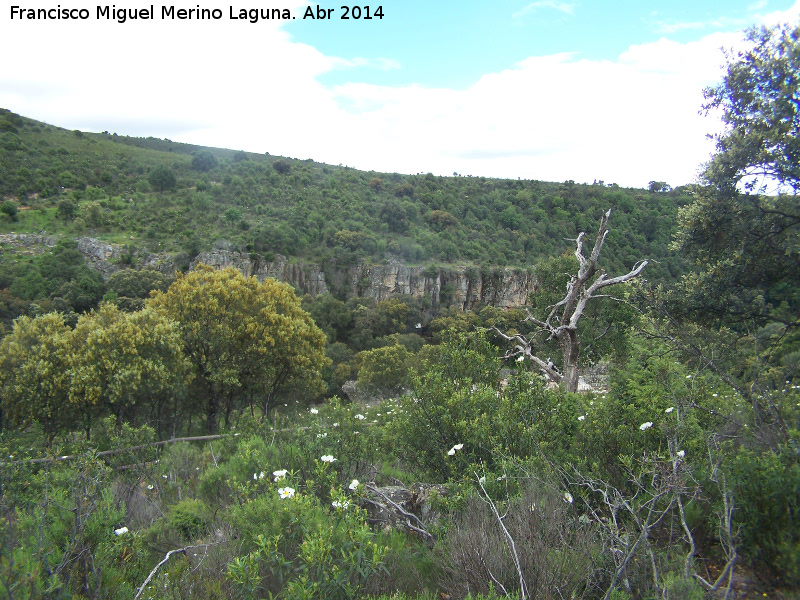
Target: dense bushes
x,y
597,492
211,344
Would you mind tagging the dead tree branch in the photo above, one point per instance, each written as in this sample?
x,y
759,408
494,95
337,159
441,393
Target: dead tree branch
x,y
164,561
562,321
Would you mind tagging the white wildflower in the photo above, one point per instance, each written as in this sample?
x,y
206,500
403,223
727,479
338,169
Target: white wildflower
x,y
314,411
670,409
279,474
340,504
521,358
286,492
453,450
150,486
360,417
582,418
353,484
568,498
681,453
121,531
328,458
645,426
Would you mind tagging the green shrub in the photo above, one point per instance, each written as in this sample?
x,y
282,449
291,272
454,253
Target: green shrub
x,y
305,549
766,488
190,518
458,399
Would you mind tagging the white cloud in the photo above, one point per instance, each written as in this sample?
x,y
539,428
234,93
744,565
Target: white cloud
x,y
790,15
754,15
557,117
382,64
553,117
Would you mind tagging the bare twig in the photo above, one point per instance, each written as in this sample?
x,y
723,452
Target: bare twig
x,y
164,561
523,590
405,513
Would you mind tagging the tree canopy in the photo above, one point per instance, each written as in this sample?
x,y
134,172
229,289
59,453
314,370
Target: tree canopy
x,y
244,339
743,229
758,99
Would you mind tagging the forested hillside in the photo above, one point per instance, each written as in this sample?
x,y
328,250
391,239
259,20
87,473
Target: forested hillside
x,y
168,196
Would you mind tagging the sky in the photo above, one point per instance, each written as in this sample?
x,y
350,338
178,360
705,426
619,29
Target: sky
x,y
552,90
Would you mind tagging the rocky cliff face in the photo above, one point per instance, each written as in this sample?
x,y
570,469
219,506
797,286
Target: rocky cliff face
x,y
307,277
462,287
28,243
109,258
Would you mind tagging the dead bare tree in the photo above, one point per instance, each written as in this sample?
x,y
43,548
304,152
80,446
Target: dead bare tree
x,y
562,321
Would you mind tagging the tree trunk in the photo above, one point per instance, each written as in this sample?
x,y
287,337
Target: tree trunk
x,y
570,348
211,414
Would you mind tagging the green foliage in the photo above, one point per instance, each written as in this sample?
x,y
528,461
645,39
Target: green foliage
x,y
745,243
282,166
66,209
767,488
204,161
110,362
385,369
244,339
9,209
458,399
133,286
162,178
34,374
758,99
297,212
62,274
189,517
124,363
313,551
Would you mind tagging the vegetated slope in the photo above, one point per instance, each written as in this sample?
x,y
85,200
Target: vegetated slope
x,y
117,188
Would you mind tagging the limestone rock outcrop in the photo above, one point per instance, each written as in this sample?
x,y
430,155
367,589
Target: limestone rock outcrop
x,y
462,287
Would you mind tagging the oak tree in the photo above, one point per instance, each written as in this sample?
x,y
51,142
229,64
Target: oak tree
x,y
35,374
246,340
126,363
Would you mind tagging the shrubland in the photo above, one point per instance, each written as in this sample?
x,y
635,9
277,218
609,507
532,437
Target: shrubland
x,y
676,477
